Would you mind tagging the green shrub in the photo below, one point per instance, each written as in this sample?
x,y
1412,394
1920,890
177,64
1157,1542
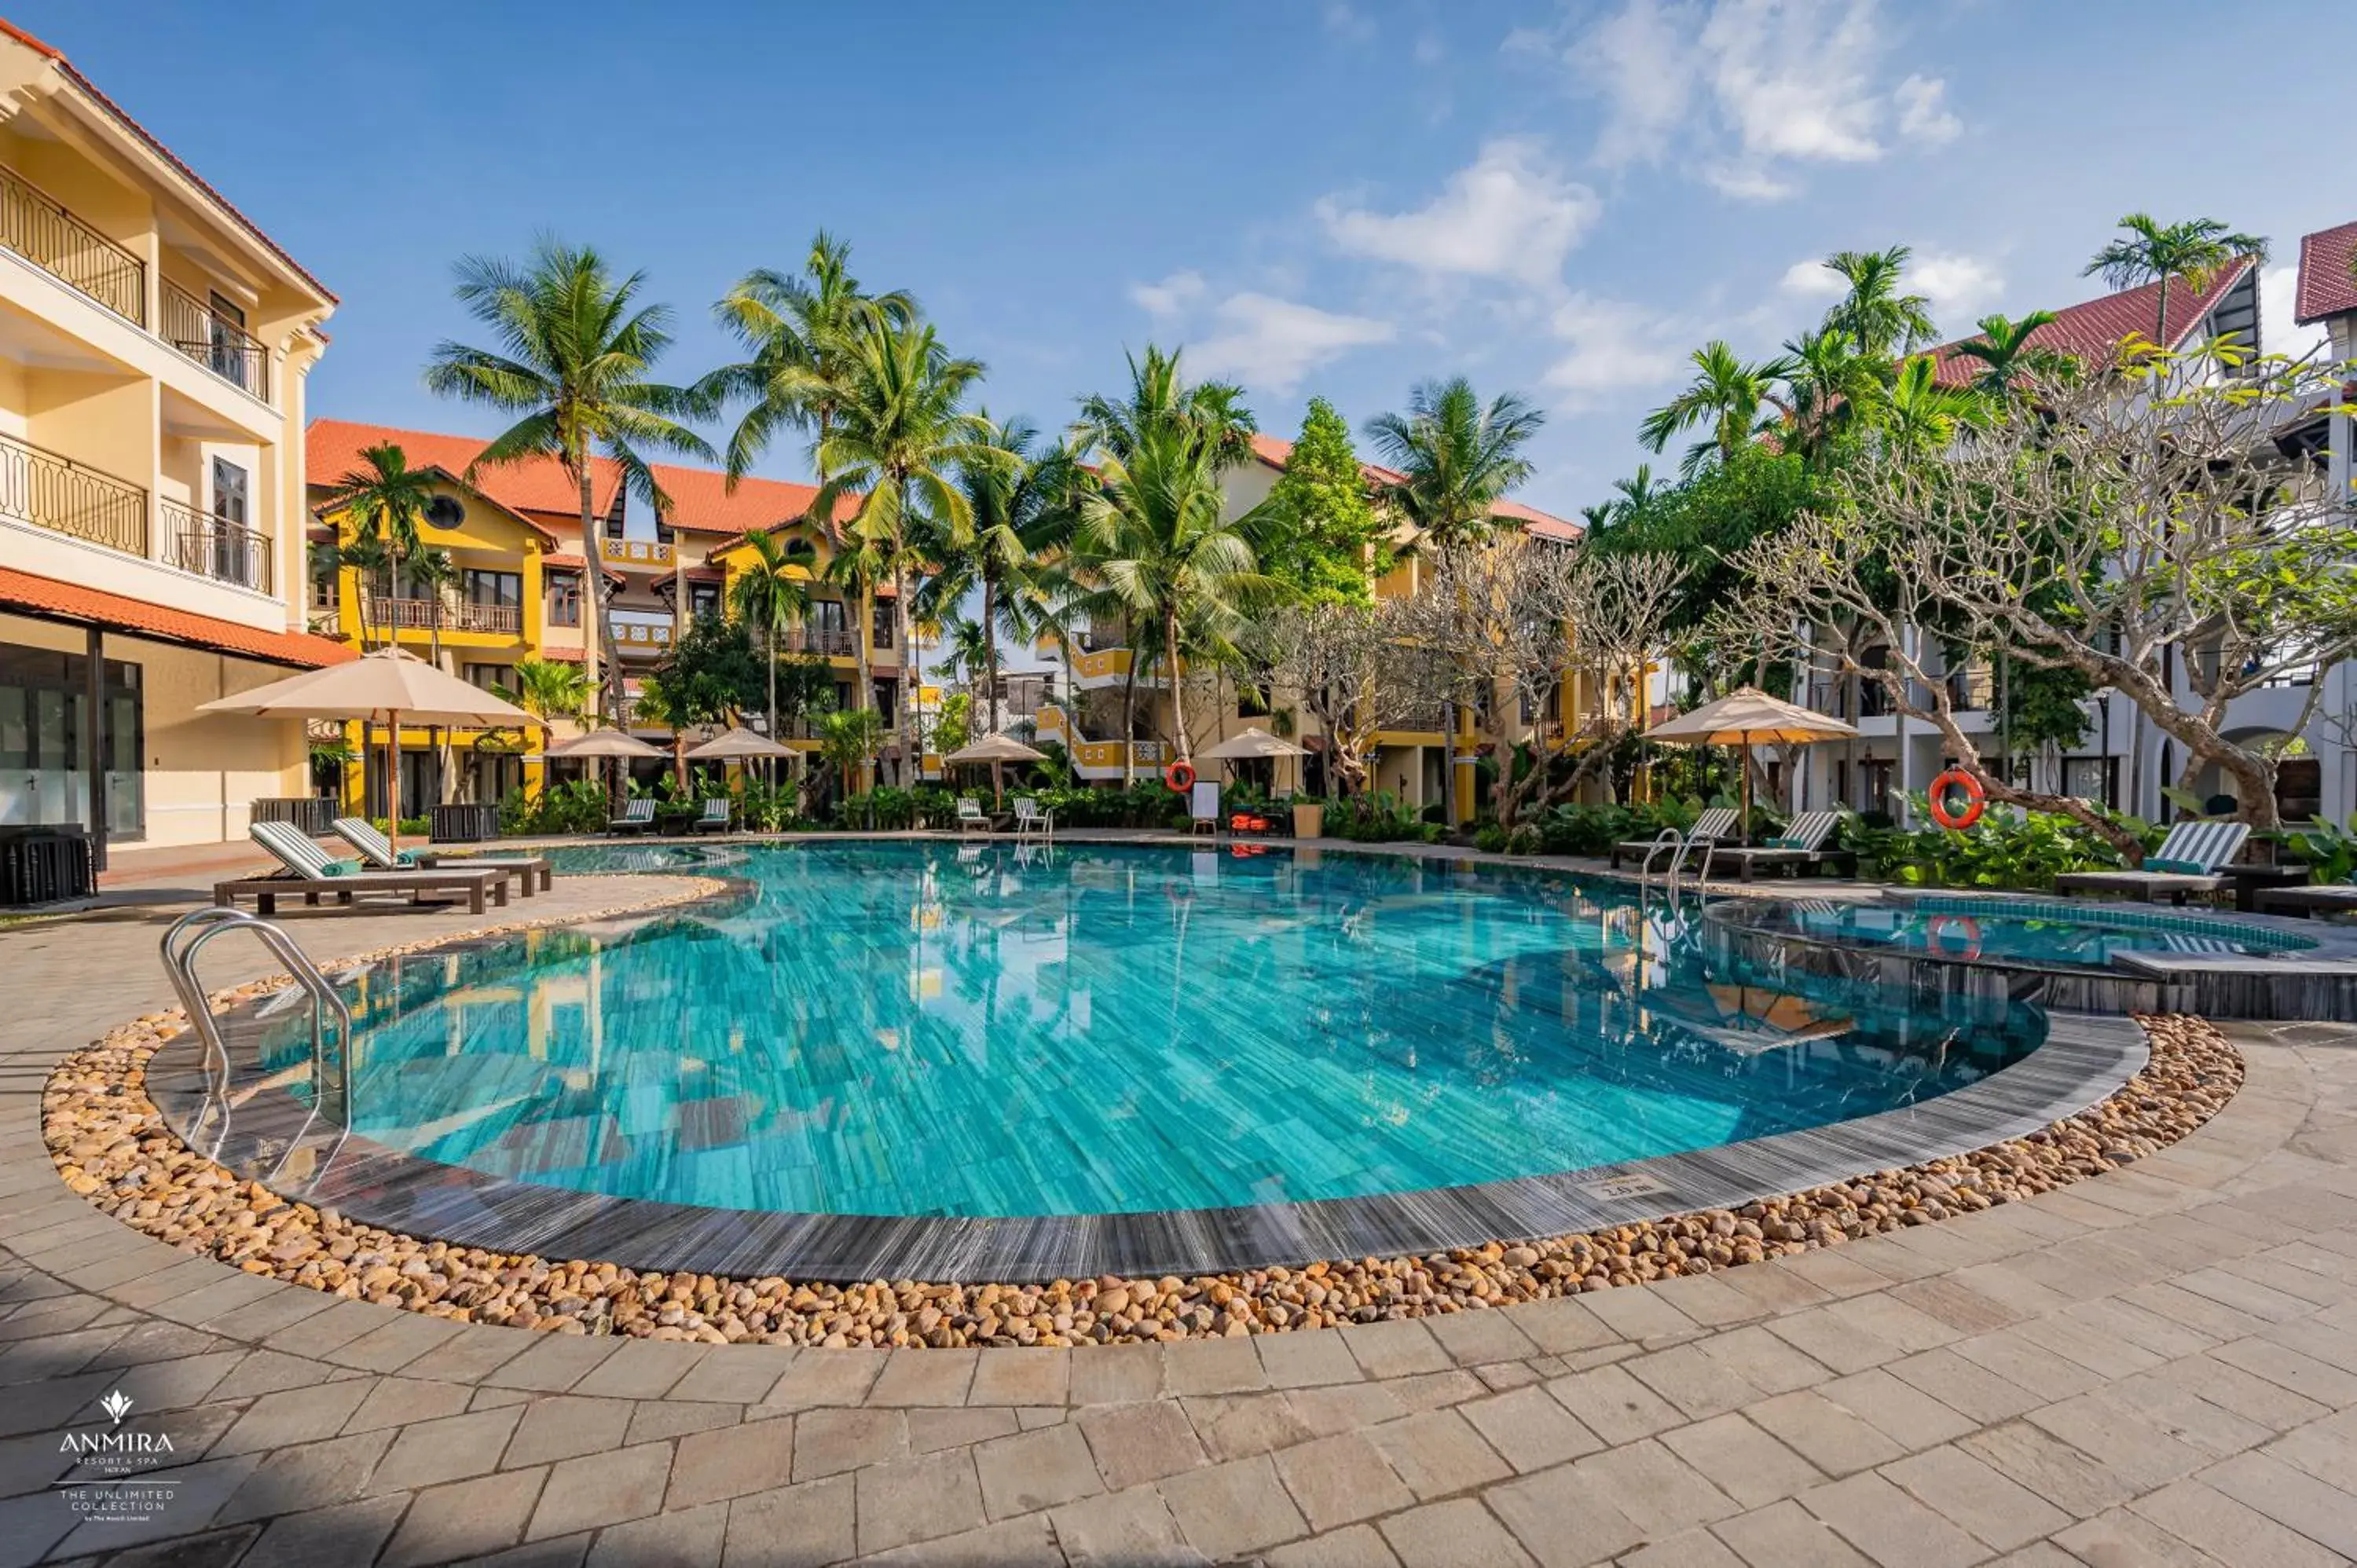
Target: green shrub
x,y
2004,849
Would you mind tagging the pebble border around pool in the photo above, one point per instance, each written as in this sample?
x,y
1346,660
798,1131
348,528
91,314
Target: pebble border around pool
x,y
112,1144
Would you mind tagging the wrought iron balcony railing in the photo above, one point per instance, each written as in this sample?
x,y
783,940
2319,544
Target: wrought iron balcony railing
x,y
53,492
40,227
214,341
215,547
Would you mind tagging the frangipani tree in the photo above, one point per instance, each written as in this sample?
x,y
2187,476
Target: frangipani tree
x,y
2123,528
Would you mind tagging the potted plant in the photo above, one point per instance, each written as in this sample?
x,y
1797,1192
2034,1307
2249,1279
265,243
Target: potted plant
x,y
1309,817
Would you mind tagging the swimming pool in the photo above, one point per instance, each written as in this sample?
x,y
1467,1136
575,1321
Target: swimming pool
x,y
911,1028
2026,931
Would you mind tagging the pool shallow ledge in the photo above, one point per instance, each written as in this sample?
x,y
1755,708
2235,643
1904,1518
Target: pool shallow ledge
x,y
2312,978
2085,1058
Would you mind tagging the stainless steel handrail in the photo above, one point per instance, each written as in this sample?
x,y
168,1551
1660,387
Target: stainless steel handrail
x,y
330,1071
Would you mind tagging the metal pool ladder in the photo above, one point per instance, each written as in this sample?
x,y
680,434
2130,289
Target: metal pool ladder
x,y
331,1057
1678,845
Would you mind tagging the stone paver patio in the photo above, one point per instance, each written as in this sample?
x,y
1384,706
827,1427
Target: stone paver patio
x,y
2157,1366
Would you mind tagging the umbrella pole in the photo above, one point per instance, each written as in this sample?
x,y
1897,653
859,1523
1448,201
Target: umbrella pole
x,y
997,788
393,782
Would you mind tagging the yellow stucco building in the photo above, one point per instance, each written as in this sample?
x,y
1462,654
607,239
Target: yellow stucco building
x,y
153,349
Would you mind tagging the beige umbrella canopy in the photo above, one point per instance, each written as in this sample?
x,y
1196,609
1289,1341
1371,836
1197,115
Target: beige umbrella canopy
x,y
1253,741
735,745
1746,717
998,750
387,686
600,743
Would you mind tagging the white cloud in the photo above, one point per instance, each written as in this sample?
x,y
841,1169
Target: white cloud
x,y
1733,88
1346,21
1614,346
1168,298
1510,214
2278,333
1271,344
1923,116
1959,286
1811,279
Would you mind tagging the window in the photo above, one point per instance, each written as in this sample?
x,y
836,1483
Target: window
x,y
564,598
44,709
2092,778
883,626
1251,703
502,589
236,552
702,599
487,677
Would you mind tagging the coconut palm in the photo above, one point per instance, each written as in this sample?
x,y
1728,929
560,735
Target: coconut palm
x,y
1025,505
1160,395
771,594
2149,251
795,329
1879,322
1456,461
547,689
573,355
1154,537
899,438
431,574
383,502
1920,414
1828,385
1726,394
2005,352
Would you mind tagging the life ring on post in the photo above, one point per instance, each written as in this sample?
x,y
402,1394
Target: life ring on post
x,y
1178,778
1975,800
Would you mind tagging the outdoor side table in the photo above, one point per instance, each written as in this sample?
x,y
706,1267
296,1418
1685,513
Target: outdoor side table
x,y
2248,881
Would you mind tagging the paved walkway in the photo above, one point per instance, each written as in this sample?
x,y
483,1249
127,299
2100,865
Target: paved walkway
x,y
2156,1367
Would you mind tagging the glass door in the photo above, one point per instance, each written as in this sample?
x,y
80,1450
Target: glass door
x,y
232,552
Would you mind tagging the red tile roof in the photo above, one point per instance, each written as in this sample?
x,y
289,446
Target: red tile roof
x,y
2093,331
155,143
537,484
1276,453
50,600
701,501
2326,287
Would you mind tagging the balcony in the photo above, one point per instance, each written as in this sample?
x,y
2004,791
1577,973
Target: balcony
x,y
1110,667
56,493
641,637
649,553
830,641
217,342
215,547
428,616
45,233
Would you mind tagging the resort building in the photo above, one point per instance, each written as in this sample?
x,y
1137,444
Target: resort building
x,y
155,344
1407,763
513,538
2122,760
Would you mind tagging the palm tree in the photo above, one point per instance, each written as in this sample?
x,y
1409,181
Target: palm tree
x,y
857,565
771,595
1879,322
1024,506
432,573
1827,384
1726,394
1920,414
547,689
1154,534
898,436
1160,395
2149,251
1456,461
796,330
383,502
2005,351
573,355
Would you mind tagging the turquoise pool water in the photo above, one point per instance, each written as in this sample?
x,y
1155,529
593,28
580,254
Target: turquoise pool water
x,y
929,1028
2085,936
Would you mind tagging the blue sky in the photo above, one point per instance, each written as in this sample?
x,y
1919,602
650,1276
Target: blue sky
x,y
1327,197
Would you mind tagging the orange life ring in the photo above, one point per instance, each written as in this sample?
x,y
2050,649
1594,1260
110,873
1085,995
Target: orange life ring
x,y
1178,778
1935,932
1975,800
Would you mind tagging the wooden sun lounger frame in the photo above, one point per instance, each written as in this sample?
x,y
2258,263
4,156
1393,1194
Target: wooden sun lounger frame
x,y
265,891
532,871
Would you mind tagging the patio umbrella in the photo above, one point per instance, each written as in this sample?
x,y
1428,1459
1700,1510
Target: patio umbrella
x,y
738,744
998,750
1250,742
384,687
1746,717
603,743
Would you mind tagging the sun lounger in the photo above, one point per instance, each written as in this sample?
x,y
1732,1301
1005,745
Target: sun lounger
x,y
970,818
638,817
2332,898
1716,824
1031,820
1801,848
2186,863
309,871
532,871
714,819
